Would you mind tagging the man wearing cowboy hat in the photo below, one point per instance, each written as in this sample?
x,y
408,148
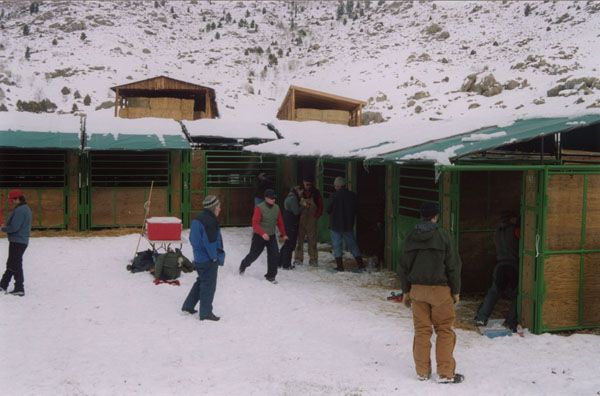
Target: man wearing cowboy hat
x,y
18,228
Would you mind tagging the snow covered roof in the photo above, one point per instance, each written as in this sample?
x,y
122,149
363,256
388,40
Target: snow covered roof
x,y
104,131
30,130
317,139
234,128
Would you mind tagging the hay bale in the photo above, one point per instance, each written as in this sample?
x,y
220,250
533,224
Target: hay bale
x,y
124,112
308,115
138,102
187,105
336,116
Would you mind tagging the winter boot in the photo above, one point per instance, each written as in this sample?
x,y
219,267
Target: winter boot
x,y
457,379
19,293
210,316
360,263
190,311
339,264
243,268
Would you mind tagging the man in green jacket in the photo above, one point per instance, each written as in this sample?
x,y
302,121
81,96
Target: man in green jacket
x,y
430,276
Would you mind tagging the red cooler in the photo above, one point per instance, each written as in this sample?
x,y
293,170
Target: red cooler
x,y
163,229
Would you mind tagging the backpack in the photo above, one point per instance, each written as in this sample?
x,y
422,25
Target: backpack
x,y
143,261
170,264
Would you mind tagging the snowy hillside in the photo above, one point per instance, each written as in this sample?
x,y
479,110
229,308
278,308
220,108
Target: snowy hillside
x,y
419,60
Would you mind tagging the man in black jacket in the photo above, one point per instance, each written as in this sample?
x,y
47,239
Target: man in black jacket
x,y
430,278
342,210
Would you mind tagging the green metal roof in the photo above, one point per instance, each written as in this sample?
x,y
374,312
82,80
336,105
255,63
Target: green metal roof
x,y
485,139
26,139
135,142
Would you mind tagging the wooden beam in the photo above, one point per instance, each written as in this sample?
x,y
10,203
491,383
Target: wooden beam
x,y
116,102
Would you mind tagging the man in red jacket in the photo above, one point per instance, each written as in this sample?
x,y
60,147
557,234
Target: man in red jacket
x,y
265,219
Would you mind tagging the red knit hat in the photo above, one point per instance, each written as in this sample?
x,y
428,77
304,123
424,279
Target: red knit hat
x,y
15,194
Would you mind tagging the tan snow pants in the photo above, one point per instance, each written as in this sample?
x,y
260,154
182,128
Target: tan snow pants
x,y
433,309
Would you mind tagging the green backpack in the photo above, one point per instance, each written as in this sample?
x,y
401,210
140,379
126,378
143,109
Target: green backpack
x,y
170,264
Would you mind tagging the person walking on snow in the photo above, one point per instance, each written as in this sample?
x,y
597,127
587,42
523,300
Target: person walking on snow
x,y
342,210
207,244
506,273
312,208
430,278
265,219
291,215
18,228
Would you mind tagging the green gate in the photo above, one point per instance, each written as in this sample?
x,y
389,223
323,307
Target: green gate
x,y
231,175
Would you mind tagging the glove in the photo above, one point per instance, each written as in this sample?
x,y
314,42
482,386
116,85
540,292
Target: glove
x,y
406,299
456,298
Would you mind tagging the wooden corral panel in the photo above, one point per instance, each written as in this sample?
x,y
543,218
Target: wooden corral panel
x,y
125,206
592,224
73,186
591,290
530,231
53,207
287,177
446,200
102,212
47,207
528,290
130,204
176,183
531,187
478,256
237,205
561,288
565,202
197,182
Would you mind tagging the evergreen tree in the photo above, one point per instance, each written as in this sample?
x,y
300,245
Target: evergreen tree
x,y
156,4
247,14
349,7
213,26
87,100
27,53
264,10
74,108
217,36
25,30
220,25
252,24
82,37
228,17
340,10
172,10
54,41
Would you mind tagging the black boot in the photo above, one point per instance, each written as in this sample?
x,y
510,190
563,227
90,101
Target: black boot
x,y
360,263
339,264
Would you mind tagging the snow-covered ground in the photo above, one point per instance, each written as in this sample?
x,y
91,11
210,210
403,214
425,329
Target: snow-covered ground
x,y
88,327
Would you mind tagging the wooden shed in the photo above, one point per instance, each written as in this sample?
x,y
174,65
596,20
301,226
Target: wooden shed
x,y
165,97
39,154
218,166
546,169
120,161
304,104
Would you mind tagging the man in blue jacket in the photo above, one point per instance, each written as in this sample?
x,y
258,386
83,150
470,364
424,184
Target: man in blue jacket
x,y
207,243
18,228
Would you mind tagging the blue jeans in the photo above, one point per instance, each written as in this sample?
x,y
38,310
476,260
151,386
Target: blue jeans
x,y
336,243
203,289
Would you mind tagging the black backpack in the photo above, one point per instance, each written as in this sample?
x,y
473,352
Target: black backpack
x,y
143,261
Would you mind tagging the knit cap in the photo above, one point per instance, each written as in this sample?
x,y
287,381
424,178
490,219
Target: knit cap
x,y
210,202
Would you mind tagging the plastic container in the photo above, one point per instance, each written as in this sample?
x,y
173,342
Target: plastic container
x,y
163,229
